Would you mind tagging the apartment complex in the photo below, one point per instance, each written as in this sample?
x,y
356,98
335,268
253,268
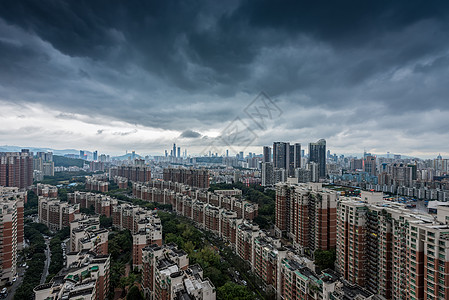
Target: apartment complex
x,y
197,178
11,231
96,184
101,203
45,190
393,251
167,275
86,276
122,182
307,214
133,173
16,169
182,197
86,234
55,213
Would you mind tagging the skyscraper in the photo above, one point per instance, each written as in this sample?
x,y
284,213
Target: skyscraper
x,y
294,158
95,155
266,154
317,154
280,153
286,156
267,174
82,154
179,151
174,150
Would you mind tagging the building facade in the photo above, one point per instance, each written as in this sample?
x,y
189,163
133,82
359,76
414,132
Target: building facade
x,y
16,169
11,231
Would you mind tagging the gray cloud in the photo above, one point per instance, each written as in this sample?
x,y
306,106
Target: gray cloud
x,y
194,64
190,134
124,133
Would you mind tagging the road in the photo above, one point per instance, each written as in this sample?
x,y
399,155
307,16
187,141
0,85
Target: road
x,y
47,261
12,289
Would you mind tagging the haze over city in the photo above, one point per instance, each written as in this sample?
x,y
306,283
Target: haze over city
x,y
140,76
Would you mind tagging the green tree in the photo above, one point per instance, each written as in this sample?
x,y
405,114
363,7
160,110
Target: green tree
x,y
32,200
134,294
325,259
127,281
232,291
173,238
105,222
88,211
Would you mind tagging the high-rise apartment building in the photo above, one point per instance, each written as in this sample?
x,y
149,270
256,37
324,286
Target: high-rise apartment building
x,y
392,251
56,214
317,154
369,165
43,164
45,156
133,173
307,213
357,164
86,276
102,204
167,275
401,174
267,174
94,184
11,233
16,169
198,178
86,235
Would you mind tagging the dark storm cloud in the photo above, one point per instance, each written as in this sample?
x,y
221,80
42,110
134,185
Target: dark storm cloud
x,y
197,64
190,134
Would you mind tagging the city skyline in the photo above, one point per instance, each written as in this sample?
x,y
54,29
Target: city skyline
x,y
111,77
225,152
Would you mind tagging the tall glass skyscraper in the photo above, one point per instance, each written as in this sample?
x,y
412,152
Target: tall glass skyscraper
x,y
317,154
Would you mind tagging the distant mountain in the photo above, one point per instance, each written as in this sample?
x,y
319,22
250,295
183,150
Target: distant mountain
x,y
6,148
392,156
61,161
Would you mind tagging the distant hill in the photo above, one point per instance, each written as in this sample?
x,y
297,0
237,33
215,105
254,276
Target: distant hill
x,y
392,156
6,148
61,161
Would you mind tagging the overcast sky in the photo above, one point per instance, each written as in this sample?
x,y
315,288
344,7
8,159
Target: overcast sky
x,y
118,75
